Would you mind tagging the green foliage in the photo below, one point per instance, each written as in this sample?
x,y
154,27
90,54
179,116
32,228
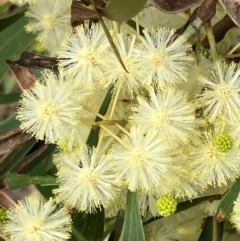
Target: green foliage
x,y
9,124
90,225
17,39
93,135
17,181
225,207
211,230
15,158
132,228
77,235
9,98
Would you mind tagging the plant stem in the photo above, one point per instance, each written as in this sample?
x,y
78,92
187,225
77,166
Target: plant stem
x,y
114,136
211,40
214,234
93,112
233,49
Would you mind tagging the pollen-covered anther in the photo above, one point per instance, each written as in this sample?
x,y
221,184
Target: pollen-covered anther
x,y
223,142
166,206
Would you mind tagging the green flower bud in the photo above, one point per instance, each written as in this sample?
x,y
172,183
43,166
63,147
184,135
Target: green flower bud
x,y
2,216
223,142
166,206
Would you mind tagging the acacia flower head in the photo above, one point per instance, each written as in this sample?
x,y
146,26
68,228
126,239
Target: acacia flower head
x,y
144,163
221,99
130,80
164,57
49,109
216,161
34,219
87,181
168,113
50,20
84,55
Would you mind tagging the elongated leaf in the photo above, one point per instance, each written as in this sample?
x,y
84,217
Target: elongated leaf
x,y
78,235
133,227
39,148
12,18
34,168
207,232
17,10
4,6
93,135
17,181
9,134
123,10
9,98
91,225
14,142
118,226
225,207
14,40
16,158
9,124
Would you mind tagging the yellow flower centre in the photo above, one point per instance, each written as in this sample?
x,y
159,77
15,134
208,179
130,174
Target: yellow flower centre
x,y
48,110
139,157
49,21
212,152
161,116
89,176
224,91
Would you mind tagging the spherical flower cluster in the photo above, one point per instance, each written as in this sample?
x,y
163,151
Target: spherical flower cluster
x,y
34,219
223,142
144,163
221,99
164,57
170,115
166,206
87,181
2,216
84,55
50,110
215,164
130,80
50,20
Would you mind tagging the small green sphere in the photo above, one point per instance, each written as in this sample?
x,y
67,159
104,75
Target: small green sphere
x,y
223,142
2,216
166,206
